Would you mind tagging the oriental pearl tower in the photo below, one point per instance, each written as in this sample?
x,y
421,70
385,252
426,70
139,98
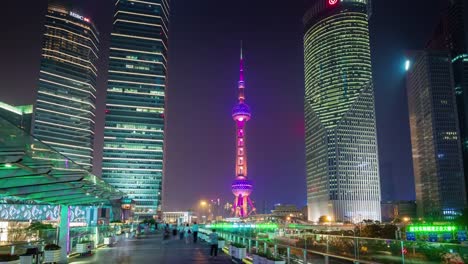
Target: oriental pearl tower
x,y
241,186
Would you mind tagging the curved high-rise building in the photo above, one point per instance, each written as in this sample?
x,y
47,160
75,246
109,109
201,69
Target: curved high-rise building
x,y
341,139
64,112
133,154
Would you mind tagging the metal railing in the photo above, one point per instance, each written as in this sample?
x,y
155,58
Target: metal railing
x,y
311,248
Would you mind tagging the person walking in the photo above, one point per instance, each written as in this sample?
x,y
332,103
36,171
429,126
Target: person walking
x,y
195,232
181,231
187,233
214,243
166,234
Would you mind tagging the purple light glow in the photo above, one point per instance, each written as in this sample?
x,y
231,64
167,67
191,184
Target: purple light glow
x,y
241,187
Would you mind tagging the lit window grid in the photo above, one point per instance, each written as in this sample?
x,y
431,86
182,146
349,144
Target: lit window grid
x,y
340,185
64,110
134,130
437,158
337,48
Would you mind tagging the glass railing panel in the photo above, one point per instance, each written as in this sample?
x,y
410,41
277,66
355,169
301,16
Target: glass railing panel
x,y
341,246
429,252
379,250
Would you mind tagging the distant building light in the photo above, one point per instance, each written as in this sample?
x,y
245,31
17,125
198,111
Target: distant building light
x,y
407,65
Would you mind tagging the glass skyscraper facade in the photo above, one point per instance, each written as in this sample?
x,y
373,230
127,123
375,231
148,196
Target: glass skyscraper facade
x,y
450,35
64,113
341,140
435,136
133,155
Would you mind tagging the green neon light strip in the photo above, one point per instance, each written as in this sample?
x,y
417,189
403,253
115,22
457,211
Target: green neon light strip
x,y
236,226
425,229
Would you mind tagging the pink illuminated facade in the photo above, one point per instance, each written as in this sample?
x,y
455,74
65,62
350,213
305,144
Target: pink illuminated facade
x,y
241,186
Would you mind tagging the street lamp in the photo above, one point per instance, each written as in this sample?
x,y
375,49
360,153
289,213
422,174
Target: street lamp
x,y
203,205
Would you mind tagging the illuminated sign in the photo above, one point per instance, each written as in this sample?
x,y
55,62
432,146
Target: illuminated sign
x,y
80,17
332,2
432,229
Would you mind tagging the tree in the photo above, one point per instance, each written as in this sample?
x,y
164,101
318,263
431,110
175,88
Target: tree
x,y
372,230
388,231
462,220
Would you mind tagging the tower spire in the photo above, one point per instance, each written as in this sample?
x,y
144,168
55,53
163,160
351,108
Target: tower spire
x,y
241,77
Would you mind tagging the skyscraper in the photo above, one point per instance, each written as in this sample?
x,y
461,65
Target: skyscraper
x,y
341,140
435,140
241,186
133,154
450,35
65,107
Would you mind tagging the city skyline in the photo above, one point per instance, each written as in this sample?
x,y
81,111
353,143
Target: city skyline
x,y
292,118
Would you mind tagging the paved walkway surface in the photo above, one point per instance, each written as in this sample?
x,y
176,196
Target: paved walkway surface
x,y
153,250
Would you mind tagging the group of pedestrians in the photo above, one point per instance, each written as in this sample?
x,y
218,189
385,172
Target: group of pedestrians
x,y
189,232
185,231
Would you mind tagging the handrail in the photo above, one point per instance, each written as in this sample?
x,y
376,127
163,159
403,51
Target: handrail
x,y
276,244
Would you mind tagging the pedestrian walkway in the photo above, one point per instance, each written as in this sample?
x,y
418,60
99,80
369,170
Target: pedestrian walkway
x,y
152,250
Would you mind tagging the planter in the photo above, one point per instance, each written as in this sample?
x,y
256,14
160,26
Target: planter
x,y
51,256
269,261
26,259
108,241
83,248
259,259
237,253
221,244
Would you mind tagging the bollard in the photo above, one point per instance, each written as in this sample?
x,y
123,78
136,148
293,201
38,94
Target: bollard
x,y
288,255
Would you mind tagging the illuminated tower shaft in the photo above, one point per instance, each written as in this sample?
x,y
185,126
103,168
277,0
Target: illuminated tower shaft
x,y
241,186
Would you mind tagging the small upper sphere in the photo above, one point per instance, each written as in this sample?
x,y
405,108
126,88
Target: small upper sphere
x,y
241,111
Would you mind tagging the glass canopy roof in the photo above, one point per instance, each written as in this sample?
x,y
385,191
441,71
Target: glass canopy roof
x,y
30,170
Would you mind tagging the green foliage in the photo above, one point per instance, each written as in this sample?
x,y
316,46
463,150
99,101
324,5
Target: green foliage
x,y
86,242
238,245
39,226
150,221
261,254
462,220
52,247
388,231
271,257
378,231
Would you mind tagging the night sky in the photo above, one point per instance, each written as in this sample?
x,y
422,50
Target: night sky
x,y
203,73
